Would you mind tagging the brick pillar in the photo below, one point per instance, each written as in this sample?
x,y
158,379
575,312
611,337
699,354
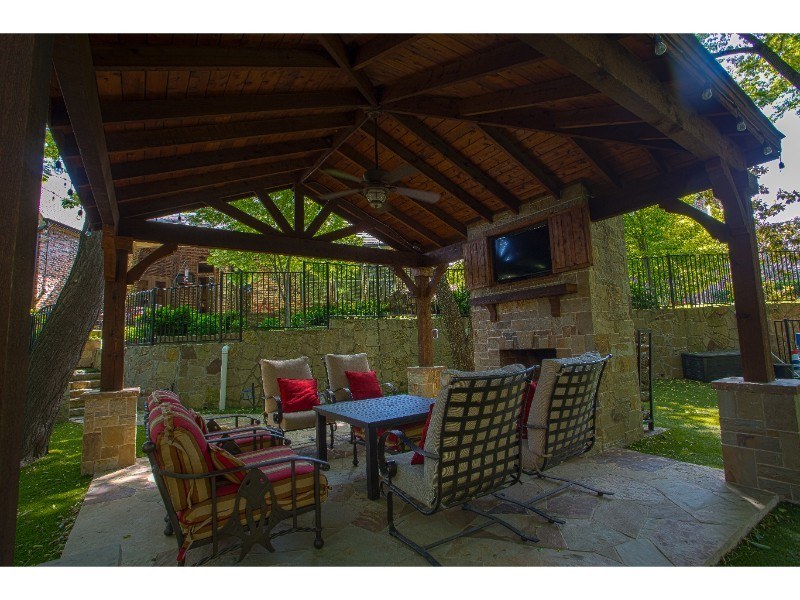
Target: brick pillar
x,y
760,425
109,430
424,381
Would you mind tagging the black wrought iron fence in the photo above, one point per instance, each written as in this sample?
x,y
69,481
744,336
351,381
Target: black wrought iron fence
x,y
270,300
697,279
786,331
38,319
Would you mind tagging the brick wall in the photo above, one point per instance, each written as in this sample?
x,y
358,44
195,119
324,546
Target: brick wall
x,y
56,248
165,270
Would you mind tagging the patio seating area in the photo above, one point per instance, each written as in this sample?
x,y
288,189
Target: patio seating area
x,y
663,512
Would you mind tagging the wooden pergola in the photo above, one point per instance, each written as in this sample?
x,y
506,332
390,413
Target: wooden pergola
x,y
152,125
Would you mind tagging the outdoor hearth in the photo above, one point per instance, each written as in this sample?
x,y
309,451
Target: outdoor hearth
x,y
566,313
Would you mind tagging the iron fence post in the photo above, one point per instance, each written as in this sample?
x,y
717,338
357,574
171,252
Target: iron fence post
x,y
328,294
378,291
152,303
670,278
241,302
220,291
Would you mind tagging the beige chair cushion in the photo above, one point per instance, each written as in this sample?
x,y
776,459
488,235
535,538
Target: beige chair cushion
x,y
541,402
411,479
271,370
298,420
337,364
437,416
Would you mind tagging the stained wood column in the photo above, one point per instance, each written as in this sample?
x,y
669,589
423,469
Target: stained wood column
x,y
422,285
734,190
25,63
115,268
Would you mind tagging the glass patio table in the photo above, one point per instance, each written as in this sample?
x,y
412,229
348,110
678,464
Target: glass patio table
x,y
371,415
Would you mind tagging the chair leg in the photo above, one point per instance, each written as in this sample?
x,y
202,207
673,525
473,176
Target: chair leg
x,y
565,485
355,454
168,527
333,427
407,541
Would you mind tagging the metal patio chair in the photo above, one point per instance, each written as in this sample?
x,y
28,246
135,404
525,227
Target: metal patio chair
x,y
472,449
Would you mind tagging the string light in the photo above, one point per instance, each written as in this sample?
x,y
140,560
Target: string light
x,y
767,149
659,47
707,92
741,125
780,163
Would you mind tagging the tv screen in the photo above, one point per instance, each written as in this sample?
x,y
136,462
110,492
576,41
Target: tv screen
x,y
522,254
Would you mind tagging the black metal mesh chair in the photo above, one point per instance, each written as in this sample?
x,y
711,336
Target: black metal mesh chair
x,y
472,450
561,422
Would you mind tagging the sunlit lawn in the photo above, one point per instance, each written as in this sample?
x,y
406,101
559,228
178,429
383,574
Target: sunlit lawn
x,y
688,409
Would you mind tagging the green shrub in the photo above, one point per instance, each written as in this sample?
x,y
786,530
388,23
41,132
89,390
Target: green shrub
x,y
642,298
462,299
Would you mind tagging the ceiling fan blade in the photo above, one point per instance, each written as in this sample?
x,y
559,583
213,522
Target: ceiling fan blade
x,y
401,172
342,175
421,195
333,195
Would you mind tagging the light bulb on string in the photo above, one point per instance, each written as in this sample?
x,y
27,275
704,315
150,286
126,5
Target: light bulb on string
x,y
659,47
707,92
780,163
741,125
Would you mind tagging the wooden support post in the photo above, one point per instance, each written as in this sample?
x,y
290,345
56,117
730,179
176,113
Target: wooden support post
x,y
423,287
733,190
24,78
115,268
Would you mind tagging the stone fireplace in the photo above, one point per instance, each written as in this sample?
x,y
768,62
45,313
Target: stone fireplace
x,y
565,314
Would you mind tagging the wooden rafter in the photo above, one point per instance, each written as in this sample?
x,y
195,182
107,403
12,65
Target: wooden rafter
x,y
135,273
715,228
464,69
633,86
276,213
187,183
340,139
436,176
432,139
207,237
243,217
524,159
128,141
320,218
127,111
598,163
378,47
342,233
526,96
299,208
72,60
362,161
205,58
334,45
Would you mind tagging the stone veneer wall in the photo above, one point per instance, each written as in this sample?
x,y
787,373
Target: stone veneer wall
x,y
698,329
597,317
194,369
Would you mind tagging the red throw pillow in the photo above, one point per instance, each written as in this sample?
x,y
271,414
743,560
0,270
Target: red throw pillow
x,y
363,384
298,394
526,410
418,459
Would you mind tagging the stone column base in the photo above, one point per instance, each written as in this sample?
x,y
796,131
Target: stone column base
x,y
760,424
424,381
109,430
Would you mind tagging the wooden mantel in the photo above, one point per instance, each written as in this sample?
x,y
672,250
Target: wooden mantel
x,y
553,292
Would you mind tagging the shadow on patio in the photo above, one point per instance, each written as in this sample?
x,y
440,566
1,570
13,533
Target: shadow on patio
x,y
663,512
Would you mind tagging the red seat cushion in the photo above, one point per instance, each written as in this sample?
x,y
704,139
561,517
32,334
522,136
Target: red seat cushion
x,y
526,410
363,384
418,459
297,394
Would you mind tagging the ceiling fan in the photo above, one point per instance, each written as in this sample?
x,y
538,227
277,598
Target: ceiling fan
x,y
377,184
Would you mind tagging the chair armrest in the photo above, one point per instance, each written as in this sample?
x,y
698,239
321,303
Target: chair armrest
x,y
244,433
215,420
392,388
264,463
383,465
332,394
277,416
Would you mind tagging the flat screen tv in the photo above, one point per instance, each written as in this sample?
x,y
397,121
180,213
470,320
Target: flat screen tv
x,y
522,254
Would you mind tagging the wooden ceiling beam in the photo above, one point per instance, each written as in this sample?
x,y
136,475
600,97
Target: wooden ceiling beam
x,y
661,189
565,88
299,208
356,157
436,176
320,218
207,237
242,217
598,163
131,111
340,139
206,58
378,47
334,45
135,273
342,233
275,212
432,139
614,71
463,69
597,116
188,183
72,60
217,158
525,159
129,141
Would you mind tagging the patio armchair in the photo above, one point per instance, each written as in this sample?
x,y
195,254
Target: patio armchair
x,y
210,493
471,450
274,413
339,389
561,421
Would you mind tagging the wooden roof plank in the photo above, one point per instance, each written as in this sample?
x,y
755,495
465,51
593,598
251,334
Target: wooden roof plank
x,y
378,47
334,45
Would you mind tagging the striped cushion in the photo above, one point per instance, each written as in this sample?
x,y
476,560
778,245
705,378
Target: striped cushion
x,y
177,406
224,460
160,396
413,431
181,448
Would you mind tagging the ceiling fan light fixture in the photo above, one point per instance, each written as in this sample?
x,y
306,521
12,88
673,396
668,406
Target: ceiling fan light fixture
x,y
376,196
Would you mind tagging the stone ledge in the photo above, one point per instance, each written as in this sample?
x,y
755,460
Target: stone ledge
x,y
787,387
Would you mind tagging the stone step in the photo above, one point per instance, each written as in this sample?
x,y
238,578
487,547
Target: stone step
x,y
78,393
85,374
85,384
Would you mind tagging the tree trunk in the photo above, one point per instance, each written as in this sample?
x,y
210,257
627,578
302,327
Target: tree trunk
x,y
58,348
460,342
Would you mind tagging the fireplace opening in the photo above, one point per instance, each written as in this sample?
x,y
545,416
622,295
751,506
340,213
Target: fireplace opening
x,y
526,356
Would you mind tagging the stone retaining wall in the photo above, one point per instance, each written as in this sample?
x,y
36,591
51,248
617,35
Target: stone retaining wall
x,y
194,369
698,329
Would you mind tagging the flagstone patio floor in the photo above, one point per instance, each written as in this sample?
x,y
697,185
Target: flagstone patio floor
x,y
663,512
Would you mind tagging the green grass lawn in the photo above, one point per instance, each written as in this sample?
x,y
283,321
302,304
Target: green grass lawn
x,y
50,494
688,409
